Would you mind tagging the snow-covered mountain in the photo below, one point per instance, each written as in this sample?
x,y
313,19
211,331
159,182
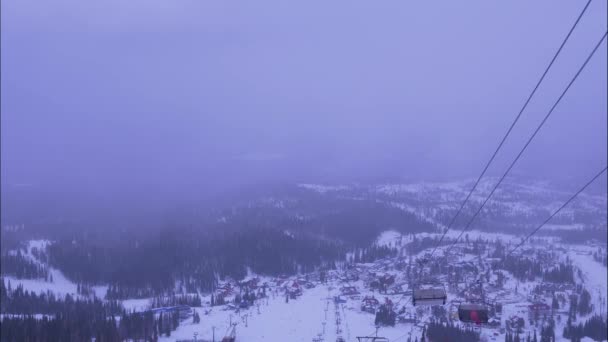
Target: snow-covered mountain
x,y
514,206
379,235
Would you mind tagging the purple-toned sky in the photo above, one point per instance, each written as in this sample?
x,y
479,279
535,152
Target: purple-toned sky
x,y
112,93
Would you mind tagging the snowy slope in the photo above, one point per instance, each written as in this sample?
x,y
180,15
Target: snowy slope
x,y
299,320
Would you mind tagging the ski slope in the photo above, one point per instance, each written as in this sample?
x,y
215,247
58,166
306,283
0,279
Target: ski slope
x,y
300,320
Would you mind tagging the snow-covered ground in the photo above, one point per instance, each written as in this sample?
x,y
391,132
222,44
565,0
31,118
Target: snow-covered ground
x,y
305,318
299,320
60,285
315,314
389,237
594,274
323,188
513,203
57,283
136,304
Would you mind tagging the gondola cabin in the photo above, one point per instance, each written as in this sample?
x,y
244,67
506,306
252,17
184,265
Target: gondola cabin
x,y
473,313
432,296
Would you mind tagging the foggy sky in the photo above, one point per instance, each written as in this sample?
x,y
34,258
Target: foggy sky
x,y
114,94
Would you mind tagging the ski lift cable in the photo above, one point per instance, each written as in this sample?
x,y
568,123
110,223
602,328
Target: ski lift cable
x,y
538,128
406,334
555,212
525,105
400,299
549,219
402,336
466,228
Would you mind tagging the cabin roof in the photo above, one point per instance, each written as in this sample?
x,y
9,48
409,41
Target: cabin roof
x,y
470,306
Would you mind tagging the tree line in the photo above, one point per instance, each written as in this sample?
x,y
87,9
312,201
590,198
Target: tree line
x,y
437,331
595,328
23,302
65,327
28,316
372,253
19,266
193,300
195,260
528,269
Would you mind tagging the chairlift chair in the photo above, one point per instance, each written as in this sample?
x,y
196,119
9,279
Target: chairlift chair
x,y
430,296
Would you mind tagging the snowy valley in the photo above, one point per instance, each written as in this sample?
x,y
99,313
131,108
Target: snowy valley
x,y
362,284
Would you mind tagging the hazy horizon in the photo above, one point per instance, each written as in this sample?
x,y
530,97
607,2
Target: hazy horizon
x,y
198,170
195,95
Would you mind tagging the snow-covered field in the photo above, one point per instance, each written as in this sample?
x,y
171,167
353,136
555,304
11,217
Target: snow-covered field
x,y
594,274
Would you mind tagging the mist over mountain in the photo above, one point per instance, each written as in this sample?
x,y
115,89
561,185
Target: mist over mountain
x,y
199,97
202,170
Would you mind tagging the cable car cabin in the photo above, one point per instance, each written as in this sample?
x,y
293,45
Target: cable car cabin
x,y
433,296
473,313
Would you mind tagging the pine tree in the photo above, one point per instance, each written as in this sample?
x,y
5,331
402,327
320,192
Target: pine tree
x,y
167,326
175,320
555,303
161,322
584,303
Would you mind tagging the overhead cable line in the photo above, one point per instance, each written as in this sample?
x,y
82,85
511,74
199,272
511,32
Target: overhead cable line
x,y
556,211
547,220
525,105
529,141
